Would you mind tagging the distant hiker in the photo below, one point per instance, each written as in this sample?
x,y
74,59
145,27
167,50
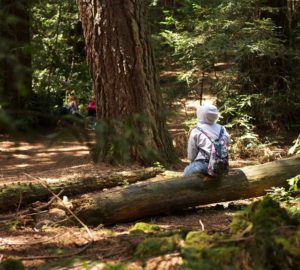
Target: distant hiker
x,y
91,108
207,144
91,112
72,105
69,113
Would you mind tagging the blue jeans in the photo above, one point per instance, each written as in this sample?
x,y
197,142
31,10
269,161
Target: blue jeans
x,y
197,166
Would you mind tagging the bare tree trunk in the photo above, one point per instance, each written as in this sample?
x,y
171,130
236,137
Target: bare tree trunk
x,y
121,62
153,198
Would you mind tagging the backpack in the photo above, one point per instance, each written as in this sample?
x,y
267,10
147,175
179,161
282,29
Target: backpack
x,y
218,164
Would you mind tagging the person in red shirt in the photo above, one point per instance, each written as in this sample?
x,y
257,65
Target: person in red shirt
x,y
91,108
91,111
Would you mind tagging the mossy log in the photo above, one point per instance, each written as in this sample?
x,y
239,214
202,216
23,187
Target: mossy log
x,y
155,197
21,193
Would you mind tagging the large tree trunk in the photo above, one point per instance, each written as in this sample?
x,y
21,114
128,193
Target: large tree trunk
x,y
87,180
125,81
152,198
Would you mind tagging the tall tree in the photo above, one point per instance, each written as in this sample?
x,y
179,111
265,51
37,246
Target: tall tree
x,y
122,67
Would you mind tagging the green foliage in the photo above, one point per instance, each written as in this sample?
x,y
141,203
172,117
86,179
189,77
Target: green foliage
x,y
191,123
174,88
11,264
294,183
264,220
244,50
58,57
46,67
14,49
295,149
279,193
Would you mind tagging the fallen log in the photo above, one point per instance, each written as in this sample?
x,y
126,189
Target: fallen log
x,y
85,180
151,197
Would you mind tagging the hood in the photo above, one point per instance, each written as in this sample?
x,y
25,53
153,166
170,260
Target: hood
x,y
207,114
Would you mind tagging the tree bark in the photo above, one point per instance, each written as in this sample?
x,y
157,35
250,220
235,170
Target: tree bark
x,y
152,198
121,61
13,194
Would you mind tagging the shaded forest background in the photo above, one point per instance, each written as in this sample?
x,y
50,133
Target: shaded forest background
x,y
244,53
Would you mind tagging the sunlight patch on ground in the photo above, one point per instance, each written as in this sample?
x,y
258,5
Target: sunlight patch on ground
x,y
22,165
20,146
65,149
21,156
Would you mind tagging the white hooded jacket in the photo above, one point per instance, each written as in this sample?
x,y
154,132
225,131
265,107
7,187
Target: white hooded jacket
x,y
207,116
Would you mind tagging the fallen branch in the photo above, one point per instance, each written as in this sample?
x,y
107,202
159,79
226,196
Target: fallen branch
x,y
155,197
72,184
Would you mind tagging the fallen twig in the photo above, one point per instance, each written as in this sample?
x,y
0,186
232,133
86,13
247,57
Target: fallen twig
x,y
202,225
72,213
27,212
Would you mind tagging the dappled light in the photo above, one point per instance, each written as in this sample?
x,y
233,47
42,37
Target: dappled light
x,y
149,135
39,156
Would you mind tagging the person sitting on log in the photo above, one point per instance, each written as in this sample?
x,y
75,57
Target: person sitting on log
x,y
207,144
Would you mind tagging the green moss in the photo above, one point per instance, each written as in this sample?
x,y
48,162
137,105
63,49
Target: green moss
x,y
214,257
290,244
11,264
270,247
199,238
268,215
156,246
144,227
194,243
240,223
269,238
264,215
200,252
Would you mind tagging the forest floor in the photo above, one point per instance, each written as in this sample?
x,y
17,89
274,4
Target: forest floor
x,y
111,244
43,246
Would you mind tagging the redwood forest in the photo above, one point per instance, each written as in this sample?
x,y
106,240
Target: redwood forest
x,y
150,135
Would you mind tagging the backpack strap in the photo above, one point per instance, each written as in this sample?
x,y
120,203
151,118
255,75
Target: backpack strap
x,y
207,155
220,134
